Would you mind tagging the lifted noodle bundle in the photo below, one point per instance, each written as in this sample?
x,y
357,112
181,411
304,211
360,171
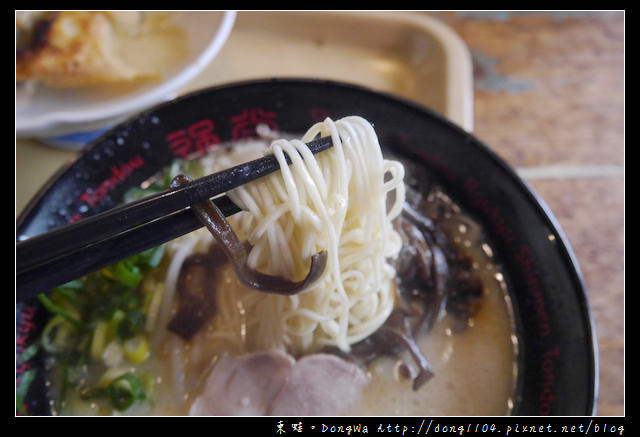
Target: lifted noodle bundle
x,y
336,202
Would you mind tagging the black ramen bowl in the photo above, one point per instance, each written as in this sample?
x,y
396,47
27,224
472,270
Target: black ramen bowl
x,y
557,357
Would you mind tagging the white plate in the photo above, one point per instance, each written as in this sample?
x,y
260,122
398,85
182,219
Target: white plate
x,y
67,117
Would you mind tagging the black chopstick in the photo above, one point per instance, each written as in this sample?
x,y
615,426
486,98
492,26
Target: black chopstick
x,y
68,266
51,259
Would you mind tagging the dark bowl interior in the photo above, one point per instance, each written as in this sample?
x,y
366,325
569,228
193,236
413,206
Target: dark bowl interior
x,y
557,348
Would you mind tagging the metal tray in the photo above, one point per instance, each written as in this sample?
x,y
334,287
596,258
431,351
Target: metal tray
x,y
410,54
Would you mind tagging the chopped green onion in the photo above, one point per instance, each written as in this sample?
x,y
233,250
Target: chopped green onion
x,y
102,317
28,353
152,257
58,310
136,349
99,340
114,323
137,193
125,272
70,290
125,390
57,334
23,387
76,284
132,324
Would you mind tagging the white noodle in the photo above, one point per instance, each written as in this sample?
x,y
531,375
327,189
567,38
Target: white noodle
x,y
335,201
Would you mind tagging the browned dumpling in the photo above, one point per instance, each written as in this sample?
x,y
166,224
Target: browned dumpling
x,y
76,48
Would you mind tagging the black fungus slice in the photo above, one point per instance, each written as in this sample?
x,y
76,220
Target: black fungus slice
x,y
237,253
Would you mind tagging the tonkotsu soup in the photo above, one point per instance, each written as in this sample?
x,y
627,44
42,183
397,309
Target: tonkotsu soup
x,y
349,284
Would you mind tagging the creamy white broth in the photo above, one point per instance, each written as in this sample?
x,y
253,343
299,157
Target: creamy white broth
x,y
474,369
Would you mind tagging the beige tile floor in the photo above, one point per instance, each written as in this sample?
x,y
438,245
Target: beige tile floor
x,y
549,99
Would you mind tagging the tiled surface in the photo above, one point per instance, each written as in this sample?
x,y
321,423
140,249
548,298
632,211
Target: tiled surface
x,y
549,99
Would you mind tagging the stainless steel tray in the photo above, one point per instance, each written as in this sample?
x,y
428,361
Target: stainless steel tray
x,y
409,54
